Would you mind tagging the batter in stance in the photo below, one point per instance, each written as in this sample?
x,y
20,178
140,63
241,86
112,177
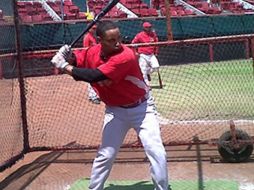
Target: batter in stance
x,y
111,68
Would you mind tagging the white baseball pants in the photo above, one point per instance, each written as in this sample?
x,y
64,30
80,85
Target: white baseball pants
x,y
148,64
117,122
91,93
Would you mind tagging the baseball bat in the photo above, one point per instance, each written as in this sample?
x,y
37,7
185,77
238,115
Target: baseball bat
x,y
104,11
160,81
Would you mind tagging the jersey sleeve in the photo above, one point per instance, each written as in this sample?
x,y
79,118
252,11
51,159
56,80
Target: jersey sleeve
x,y
117,68
136,39
80,57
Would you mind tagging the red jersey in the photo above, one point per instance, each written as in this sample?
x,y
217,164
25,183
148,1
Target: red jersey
x,y
144,37
125,83
89,40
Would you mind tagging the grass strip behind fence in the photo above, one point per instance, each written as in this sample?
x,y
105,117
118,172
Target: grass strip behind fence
x,y
82,184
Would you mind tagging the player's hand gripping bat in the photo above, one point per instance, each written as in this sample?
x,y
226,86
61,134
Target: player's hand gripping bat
x,y
65,51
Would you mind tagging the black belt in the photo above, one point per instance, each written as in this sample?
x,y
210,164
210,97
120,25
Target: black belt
x,y
135,104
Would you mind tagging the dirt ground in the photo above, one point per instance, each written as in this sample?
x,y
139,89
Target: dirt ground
x,y
58,170
57,117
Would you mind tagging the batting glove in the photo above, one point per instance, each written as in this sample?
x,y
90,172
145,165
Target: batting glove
x,y
59,61
65,51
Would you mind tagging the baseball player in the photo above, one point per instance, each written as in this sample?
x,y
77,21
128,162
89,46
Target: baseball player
x,y
111,68
88,41
90,38
147,55
148,61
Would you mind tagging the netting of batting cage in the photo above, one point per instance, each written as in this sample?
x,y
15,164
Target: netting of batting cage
x,y
203,90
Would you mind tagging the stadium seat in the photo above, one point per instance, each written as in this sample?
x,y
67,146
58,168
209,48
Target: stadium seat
x,y
20,4
51,4
226,1
189,12
70,16
26,18
28,4
37,18
178,7
191,2
31,10
96,11
144,12
250,1
173,13
82,15
225,5
40,10
59,2
172,8
22,10
57,8
113,14
180,12
143,6
46,17
133,1
38,7
68,3
249,10
216,10
136,11
74,9
163,11
155,4
122,14
36,4
131,5
65,9
152,12
91,4
96,6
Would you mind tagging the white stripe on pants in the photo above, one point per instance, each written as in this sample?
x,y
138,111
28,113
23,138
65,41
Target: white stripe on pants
x,y
117,122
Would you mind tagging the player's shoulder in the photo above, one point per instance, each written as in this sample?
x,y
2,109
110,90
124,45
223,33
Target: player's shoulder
x,y
142,33
127,53
95,48
86,35
126,49
154,33
92,50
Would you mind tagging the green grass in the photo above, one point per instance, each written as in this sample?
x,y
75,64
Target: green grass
x,y
219,90
147,185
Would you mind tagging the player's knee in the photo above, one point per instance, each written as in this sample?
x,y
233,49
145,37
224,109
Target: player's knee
x,y
156,151
106,155
162,153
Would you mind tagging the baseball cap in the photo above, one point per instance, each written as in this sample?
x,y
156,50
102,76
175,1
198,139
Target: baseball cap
x,y
147,24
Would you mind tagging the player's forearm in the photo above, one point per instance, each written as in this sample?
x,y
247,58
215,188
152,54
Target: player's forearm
x,y
84,74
